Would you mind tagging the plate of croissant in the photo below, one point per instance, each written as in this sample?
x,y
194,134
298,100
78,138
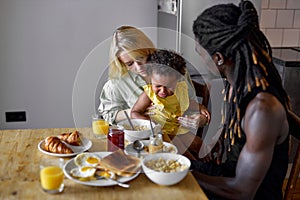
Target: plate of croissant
x,y
65,144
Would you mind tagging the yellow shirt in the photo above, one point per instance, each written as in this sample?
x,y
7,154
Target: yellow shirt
x,y
168,109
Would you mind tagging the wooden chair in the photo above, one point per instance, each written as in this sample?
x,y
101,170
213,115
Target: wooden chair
x,y
202,91
294,129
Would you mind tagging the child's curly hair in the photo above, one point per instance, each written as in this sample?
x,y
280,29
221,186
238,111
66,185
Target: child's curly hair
x,y
165,61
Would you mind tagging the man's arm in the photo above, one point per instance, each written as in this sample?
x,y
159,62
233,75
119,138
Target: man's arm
x,y
265,123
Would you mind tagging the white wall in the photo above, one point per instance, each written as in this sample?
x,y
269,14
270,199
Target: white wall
x,y
43,44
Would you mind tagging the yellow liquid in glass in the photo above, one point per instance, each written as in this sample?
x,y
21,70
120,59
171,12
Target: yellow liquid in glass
x,y
100,127
51,177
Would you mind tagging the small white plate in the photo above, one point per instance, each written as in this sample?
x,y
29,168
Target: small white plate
x,y
168,148
86,144
102,182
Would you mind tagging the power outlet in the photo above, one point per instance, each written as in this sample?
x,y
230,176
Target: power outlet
x,y
19,116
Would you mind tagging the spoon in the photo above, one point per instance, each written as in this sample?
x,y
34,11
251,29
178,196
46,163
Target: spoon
x,y
151,127
138,146
128,118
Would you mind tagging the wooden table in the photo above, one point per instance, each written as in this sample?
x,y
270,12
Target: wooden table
x,y
19,173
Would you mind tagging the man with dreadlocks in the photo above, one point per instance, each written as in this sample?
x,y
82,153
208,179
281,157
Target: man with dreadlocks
x,y
255,126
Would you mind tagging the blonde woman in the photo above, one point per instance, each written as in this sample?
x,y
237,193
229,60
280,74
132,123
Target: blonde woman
x,y
129,50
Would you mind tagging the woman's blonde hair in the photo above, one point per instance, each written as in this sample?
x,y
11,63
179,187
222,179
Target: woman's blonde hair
x,y
132,41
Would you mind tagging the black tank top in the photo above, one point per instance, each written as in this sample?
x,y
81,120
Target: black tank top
x,y
271,187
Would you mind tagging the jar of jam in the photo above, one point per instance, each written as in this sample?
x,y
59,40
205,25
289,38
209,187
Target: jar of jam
x,y
115,139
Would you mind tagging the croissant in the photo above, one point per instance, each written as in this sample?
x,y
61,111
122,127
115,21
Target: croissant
x,y
72,138
55,145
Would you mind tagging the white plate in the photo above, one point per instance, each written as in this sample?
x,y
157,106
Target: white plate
x,y
131,151
86,144
102,182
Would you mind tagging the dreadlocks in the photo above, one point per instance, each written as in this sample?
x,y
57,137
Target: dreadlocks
x,y
234,32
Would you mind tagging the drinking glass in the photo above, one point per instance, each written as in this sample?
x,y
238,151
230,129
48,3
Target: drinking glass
x,y
100,126
52,175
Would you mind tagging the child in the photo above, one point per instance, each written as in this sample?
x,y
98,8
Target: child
x,y
168,92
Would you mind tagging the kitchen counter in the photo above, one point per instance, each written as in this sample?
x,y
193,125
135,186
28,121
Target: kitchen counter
x,y
287,56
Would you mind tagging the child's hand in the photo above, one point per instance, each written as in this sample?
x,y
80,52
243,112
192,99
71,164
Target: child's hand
x,y
150,110
193,121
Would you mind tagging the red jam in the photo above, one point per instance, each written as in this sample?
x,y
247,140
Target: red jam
x,y
115,139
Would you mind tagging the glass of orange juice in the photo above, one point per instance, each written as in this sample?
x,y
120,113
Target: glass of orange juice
x,y
100,126
52,175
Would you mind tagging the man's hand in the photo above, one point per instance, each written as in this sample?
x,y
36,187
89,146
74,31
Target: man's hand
x,y
216,153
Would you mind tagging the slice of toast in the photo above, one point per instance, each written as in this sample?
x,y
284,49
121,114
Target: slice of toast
x,y
121,164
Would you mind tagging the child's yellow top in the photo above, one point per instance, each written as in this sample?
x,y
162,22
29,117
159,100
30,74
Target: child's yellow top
x,y
168,109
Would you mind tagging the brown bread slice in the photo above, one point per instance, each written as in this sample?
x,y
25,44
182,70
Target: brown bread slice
x,y
121,164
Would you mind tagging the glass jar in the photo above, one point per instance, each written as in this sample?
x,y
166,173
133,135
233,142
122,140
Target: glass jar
x,y
115,139
156,144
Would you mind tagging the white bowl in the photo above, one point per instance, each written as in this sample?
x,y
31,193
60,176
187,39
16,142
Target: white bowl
x,y
132,135
166,178
131,138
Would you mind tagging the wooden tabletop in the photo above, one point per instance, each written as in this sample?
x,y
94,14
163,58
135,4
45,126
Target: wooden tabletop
x,y
19,173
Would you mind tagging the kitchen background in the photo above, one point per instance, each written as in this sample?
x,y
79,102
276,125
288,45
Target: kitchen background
x,y
46,46
280,21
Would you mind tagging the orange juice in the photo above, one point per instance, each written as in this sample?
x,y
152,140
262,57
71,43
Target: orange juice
x,y
100,127
51,177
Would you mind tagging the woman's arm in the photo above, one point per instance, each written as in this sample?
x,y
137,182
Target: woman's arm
x,y
117,96
140,107
111,102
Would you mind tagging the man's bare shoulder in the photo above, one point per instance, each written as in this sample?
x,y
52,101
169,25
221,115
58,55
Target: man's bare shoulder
x,y
266,102
266,115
